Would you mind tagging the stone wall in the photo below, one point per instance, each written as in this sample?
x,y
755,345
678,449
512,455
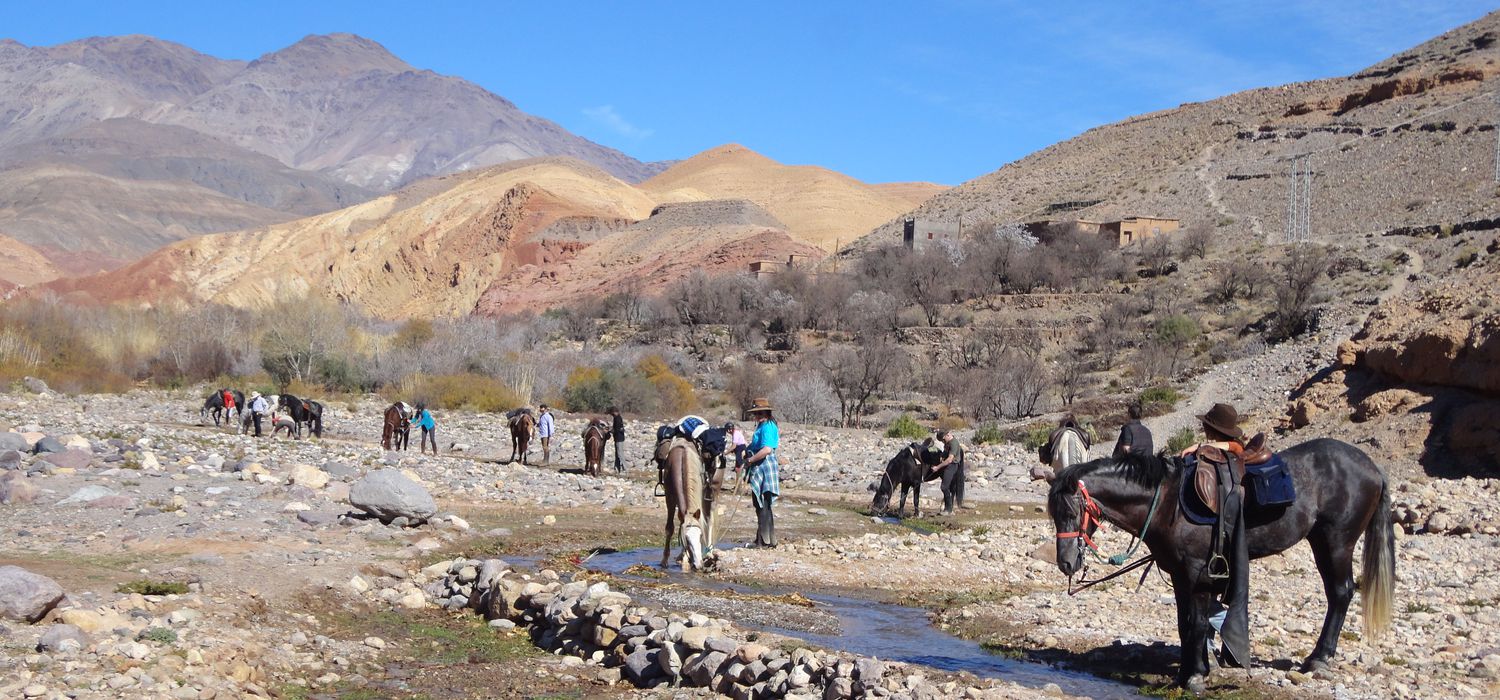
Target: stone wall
x,y
653,647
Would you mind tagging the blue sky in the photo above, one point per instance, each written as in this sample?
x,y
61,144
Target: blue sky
x,y
943,91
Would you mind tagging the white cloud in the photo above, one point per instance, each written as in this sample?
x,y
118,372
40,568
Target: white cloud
x,y
610,119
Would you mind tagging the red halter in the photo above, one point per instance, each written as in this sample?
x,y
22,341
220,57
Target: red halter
x,y
1091,513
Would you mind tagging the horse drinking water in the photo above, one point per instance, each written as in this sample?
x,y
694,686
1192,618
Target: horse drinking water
x,y
1341,494
908,469
303,411
214,406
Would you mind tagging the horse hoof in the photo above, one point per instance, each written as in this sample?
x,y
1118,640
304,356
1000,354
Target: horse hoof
x,y
1312,666
1196,685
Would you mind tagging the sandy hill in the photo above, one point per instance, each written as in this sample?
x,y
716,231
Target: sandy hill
x,y
818,206
678,239
1408,141
439,246
113,146
21,264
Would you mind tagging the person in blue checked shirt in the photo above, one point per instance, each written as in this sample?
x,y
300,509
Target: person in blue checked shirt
x,y
763,472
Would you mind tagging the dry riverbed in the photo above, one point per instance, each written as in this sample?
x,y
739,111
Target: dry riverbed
x,y
198,563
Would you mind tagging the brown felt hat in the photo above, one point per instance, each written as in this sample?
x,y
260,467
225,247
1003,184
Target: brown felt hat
x,y
759,405
1223,418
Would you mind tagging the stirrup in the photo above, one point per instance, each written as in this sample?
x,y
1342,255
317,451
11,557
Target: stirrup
x,y
1218,567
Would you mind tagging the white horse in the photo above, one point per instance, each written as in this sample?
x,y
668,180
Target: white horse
x,y
1069,449
247,419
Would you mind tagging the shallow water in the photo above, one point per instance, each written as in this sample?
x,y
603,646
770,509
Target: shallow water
x,y
885,630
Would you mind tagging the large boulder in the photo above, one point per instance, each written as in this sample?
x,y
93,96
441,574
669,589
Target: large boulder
x,y
10,460
69,459
49,444
15,488
309,476
87,494
388,494
25,596
35,386
14,441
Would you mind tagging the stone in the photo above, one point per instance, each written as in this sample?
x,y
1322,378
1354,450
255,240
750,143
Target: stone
x,y
697,637
87,494
10,460
700,669
388,494
69,458
55,637
309,476
315,518
839,688
868,671
375,642
669,660
35,386
750,651
25,596
641,666
49,444
16,488
15,442
722,644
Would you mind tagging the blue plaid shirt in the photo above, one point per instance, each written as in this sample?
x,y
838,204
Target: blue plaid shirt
x,y
765,475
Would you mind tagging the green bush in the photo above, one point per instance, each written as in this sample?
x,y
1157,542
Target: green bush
x,y
1158,400
1036,436
160,635
1181,440
149,587
906,427
988,434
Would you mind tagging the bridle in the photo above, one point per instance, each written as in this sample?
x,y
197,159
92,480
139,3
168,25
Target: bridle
x,y
1089,516
1089,520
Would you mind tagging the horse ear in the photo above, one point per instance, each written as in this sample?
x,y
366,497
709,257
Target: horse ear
x,y
1043,474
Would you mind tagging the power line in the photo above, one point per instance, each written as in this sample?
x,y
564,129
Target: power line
x,y
1299,200
1497,136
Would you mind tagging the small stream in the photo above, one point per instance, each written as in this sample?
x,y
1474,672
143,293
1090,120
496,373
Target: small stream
x,y
872,628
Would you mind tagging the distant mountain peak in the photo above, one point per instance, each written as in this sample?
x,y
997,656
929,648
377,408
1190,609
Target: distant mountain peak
x,y
339,53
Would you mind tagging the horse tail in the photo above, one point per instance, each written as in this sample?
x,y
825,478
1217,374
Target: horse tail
x,y
1378,589
317,426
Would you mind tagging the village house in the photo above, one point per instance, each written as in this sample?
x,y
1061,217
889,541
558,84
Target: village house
x,y
1138,228
918,234
761,269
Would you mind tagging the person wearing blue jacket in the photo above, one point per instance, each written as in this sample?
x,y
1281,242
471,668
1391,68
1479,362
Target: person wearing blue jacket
x,y
423,418
763,471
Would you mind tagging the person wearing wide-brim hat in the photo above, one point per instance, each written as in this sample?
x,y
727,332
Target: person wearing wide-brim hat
x,y
1221,425
763,472
258,409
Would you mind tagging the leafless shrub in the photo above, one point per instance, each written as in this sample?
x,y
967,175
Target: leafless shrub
x,y
858,373
805,397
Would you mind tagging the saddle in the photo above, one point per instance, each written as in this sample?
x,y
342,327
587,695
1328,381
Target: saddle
x,y
1265,477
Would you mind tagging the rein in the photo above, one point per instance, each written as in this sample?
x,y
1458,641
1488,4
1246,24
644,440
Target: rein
x,y
1091,513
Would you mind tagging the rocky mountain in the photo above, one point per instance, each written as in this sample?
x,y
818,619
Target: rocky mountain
x,y
820,206
113,146
532,232
1408,141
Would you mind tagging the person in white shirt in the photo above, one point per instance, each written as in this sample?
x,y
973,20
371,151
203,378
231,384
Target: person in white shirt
x,y
544,430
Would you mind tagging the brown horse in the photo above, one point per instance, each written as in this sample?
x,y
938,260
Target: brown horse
x,y
521,427
396,433
594,437
676,475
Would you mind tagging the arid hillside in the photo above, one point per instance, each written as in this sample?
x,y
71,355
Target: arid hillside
x,y
496,240
1408,141
111,147
819,206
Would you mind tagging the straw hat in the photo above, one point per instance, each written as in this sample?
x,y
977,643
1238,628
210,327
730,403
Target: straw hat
x,y
759,405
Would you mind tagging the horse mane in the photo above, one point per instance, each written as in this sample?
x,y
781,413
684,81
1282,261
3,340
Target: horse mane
x,y
1147,471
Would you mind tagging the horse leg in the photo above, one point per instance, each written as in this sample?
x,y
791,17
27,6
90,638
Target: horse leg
x,y
916,499
901,507
1192,630
666,546
1336,565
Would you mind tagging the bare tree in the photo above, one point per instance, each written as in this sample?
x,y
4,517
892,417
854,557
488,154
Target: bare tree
x,y
747,382
1071,377
807,398
857,373
300,333
1156,255
1299,289
1195,242
928,280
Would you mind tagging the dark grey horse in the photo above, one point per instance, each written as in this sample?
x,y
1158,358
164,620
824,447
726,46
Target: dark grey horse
x,y
908,469
214,406
1341,494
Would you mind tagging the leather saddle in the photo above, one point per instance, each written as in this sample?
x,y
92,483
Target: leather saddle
x,y
1206,481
